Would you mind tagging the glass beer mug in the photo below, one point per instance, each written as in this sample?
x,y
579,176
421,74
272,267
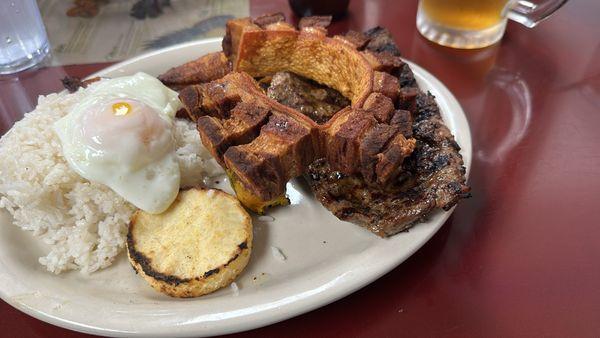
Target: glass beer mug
x,y
478,23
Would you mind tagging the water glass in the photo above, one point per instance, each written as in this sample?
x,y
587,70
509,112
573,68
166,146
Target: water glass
x,y
23,39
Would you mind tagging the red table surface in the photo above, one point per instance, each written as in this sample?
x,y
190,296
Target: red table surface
x,y
520,258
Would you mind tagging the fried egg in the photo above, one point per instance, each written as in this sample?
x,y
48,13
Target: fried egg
x,y
121,135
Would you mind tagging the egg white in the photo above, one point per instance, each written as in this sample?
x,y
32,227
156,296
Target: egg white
x,y
133,154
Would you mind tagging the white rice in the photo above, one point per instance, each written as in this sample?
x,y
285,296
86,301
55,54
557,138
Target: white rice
x,y
84,223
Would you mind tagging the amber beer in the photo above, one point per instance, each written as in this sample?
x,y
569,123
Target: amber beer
x,y
478,23
463,23
465,14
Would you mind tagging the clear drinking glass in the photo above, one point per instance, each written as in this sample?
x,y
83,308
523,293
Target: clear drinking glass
x,y
23,39
478,23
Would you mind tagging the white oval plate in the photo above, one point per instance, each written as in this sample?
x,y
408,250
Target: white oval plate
x,y
326,258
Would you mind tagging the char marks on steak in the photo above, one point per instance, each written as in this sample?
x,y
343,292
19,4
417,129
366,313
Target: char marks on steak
x,y
380,40
318,102
431,177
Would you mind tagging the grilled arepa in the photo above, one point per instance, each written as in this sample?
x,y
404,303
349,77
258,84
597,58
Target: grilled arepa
x,y
199,245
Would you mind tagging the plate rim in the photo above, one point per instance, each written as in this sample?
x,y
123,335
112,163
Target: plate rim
x,y
344,288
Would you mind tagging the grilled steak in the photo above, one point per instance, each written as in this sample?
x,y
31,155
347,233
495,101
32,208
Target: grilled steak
x,y
380,40
311,99
432,177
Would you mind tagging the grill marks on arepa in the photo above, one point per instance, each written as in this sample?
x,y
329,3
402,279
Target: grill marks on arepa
x,y
199,245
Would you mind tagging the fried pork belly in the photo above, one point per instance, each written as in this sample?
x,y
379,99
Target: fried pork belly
x,y
262,154
72,83
344,111
207,68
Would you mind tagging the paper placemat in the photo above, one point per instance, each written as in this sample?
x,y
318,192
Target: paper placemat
x,y
114,35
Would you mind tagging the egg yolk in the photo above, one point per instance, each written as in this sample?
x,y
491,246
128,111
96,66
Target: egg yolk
x,y
126,130
121,108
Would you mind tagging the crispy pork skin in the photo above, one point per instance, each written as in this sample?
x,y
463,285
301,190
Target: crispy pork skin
x,y
346,112
207,68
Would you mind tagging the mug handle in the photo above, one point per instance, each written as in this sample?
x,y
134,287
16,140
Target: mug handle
x,y
530,14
